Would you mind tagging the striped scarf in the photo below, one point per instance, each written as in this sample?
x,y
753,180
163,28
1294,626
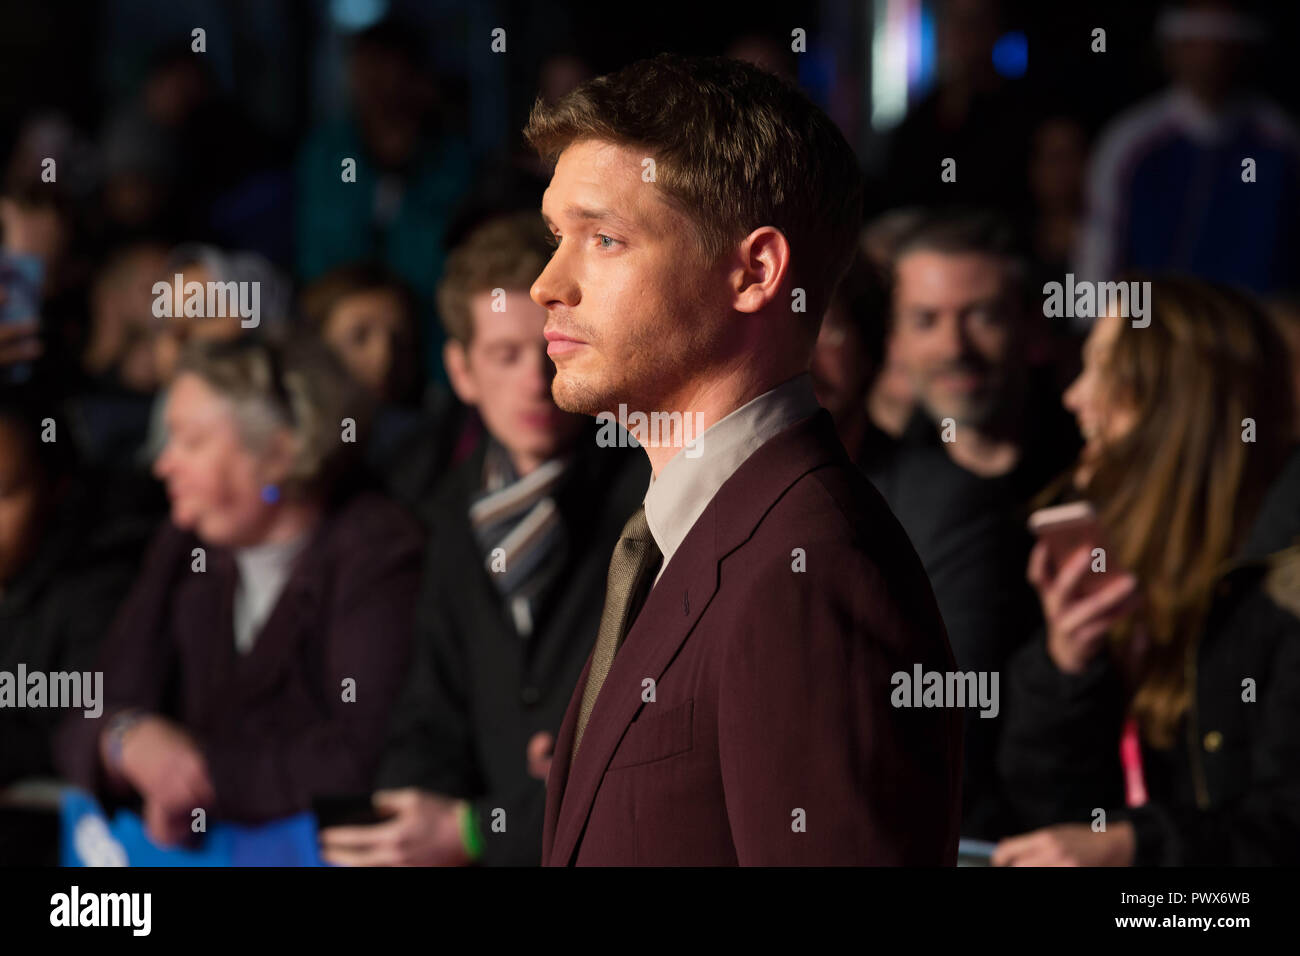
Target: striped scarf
x,y
519,517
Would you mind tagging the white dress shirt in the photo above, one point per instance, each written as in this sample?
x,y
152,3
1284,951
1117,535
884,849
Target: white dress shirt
x,y
684,487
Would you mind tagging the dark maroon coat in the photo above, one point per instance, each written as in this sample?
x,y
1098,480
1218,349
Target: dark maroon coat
x,y
772,689
272,724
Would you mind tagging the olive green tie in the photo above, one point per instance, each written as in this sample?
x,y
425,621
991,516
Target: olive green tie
x,y
631,571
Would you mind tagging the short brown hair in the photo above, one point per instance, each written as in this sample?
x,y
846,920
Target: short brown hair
x,y
508,251
966,231
735,148
324,294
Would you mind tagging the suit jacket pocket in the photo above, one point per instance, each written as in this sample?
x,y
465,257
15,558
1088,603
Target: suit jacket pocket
x,y
655,735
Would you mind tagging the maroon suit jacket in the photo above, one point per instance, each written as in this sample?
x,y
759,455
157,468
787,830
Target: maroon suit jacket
x,y
272,724
771,738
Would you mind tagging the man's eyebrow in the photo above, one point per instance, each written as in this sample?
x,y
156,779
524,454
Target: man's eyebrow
x,y
596,214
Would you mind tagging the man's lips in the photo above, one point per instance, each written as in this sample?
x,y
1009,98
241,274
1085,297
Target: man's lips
x,y
557,343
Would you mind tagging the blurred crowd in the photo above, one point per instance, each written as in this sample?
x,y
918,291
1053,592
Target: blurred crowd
x,y
356,548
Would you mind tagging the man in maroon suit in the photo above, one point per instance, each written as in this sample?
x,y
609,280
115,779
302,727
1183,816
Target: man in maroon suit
x,y
739,704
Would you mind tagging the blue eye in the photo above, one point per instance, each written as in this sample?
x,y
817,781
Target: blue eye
x,y
612,241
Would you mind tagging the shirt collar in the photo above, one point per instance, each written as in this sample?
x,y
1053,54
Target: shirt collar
x,y
684,487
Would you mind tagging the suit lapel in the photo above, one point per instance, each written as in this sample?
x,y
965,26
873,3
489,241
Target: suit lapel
x,y
670,612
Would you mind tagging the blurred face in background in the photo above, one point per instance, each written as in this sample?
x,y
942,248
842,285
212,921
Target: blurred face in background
x,y
1103,414
967,30
956,332
840,367
174,332
391,98
1209,67
1058,163
121,319
371,332
504,372
22,498
36,230
174,90
214,481
892,398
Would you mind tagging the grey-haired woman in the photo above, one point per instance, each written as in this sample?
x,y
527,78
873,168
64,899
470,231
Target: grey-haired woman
x,y
251,668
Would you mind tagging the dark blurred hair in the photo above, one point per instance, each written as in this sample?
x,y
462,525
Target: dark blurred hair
x,y
863,295
24,409
324,294
968,231
392,37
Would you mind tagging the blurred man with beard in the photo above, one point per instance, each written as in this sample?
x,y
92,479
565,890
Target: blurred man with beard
x,y
989,433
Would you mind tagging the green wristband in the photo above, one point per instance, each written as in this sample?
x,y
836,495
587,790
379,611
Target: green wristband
x,y
469,833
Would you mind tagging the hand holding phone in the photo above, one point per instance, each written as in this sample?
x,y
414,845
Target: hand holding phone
x,y
1065,529
1079,604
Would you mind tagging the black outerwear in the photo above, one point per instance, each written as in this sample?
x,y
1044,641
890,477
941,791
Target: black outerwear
x,y
1228,792
55,611
970,533
478,691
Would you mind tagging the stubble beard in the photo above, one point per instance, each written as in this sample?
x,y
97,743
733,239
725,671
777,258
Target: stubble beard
x,y
643,372
574,393
972,411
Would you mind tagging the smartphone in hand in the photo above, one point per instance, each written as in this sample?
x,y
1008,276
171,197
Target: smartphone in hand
x,y
1064,529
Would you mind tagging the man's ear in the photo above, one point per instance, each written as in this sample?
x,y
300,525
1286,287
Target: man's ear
x,y
455,358
762,264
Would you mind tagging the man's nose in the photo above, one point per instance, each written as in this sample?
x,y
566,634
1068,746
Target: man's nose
x,y
554,286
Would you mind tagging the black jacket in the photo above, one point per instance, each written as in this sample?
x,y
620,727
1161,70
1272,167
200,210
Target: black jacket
x,y
970,532
478,692
55,612
1229,791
